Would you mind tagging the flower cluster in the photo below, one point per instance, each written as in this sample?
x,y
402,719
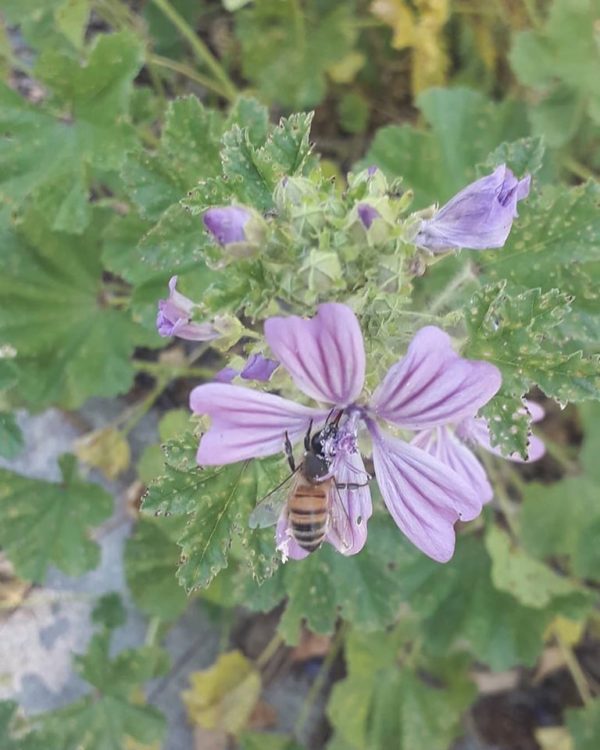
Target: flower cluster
x,y
430,388
422,418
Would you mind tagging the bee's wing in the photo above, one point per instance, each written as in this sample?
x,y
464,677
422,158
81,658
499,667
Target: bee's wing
x,y
349,506
267,511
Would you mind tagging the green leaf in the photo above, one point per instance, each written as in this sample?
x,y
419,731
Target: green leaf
x,y
584,725
11,437
51,156
464,127
106,717
45,523
266,741
188,151
14,732
381,704
590,450
362,589
286,52
565,84
109,611
459,604
70,343
218,503
151,559
555,243
524,156
72,19
563,519
527,579
519,334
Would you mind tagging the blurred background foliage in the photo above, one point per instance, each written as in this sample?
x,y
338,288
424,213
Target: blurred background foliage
x,y
120,122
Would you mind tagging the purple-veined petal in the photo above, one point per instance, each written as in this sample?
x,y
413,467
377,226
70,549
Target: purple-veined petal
x,y
445,446
174,318
424,496
246,423
431,385
259,368
325,355
285,542
478,217
351,506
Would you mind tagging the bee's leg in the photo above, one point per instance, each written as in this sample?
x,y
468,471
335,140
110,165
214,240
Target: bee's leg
x,y
350,485
289,452
307,437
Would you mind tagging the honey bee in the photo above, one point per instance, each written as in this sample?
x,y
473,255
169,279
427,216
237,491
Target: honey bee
x,y
310,508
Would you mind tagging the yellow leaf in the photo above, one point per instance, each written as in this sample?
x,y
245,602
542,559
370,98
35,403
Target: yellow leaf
x,y
569,631
420,30
223,696
106,449
554,738
345,70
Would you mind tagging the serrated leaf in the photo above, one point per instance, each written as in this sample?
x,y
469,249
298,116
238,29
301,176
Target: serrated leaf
x,y
188,152
45,523
11,437
563,519
41,153
287,56
218,502
527,579
72,18
224,696
464,127
555,243
524,156
151,558
520,334
70,344
105,718
362,589
567,80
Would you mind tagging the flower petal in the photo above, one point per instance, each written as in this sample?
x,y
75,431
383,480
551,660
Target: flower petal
x,y
478,217
424,496
246,423
174,318
431,385
445,446
325,355
351,506
259,368
226,223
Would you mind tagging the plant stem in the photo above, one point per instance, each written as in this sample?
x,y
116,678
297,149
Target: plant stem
x,y
186,70
317,686
465,274
175,371
578,169
201,51
269,651
575,670
152,631
559,454
506,505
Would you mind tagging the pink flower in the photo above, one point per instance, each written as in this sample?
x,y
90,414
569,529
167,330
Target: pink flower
x,y
174,318
450,444
325,357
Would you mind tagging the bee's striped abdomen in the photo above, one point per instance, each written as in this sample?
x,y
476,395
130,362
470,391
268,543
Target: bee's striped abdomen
x,y
308,514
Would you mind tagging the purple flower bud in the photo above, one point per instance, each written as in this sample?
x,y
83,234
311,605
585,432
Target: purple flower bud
x,y
367,214
174,318
371,170
227,223
226,375
478,217
259,368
